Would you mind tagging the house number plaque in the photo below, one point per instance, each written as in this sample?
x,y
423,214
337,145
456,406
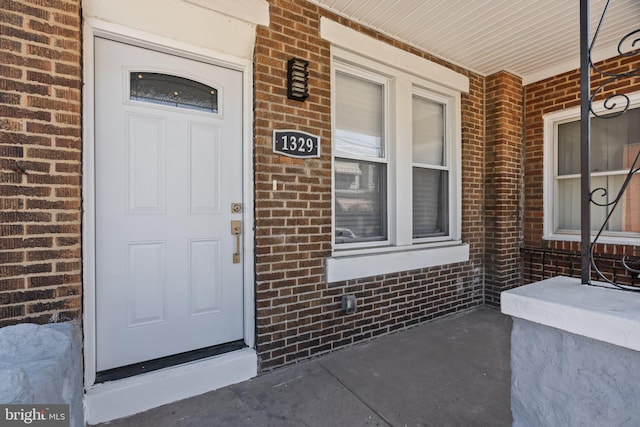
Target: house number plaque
x,y
294,143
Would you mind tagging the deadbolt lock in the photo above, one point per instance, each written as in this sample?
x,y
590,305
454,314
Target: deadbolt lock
x,y
236,207
236,227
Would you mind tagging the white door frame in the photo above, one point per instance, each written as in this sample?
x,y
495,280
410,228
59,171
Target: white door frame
x,y
120,398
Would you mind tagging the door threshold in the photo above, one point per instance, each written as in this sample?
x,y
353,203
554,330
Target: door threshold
x,y
168,361
128,396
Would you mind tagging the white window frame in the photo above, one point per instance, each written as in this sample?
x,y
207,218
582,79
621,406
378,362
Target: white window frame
x,y
398,145
451,154
401,252
550,218
354,71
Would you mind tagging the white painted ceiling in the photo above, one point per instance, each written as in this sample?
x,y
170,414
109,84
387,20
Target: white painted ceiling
x,y
533,39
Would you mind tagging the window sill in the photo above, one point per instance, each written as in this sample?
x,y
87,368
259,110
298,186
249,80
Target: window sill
x,y
347,267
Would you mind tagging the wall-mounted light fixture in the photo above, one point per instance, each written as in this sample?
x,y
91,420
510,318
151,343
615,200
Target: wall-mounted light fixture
x,y
297,79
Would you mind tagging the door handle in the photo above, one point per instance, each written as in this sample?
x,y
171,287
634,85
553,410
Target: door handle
x,y
236,230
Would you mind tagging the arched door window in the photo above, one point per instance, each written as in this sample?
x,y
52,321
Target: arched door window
x,y
175,91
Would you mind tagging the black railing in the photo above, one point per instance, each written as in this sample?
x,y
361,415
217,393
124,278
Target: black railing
x,y
540,263
606,267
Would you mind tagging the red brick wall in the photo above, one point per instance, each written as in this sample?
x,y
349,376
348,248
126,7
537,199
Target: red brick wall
x,y
298,313
546,96
40,154
503,177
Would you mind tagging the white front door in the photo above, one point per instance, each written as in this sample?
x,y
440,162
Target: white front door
x,y
169,273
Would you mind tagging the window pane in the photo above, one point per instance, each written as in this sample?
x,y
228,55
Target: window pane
x,y
428,132
610,143
170,90
359,116
630,208
430,202
569,204
610,139
569,148
615,142
625,218
360,202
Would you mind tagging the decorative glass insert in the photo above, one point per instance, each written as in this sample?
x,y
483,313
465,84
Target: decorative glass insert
x,y
165,89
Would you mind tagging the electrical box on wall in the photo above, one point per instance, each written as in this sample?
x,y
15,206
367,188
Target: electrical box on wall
x,y
349,304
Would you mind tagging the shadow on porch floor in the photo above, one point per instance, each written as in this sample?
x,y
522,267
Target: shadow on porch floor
x,y
450,372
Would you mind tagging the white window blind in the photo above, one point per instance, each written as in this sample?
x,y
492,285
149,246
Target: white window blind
x,y
359,129
428,132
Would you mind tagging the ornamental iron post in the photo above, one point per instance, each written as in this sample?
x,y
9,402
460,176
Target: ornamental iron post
x,y
585,144
614,105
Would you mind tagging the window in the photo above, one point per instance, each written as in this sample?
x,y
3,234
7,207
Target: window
x,y
430,168
360,161
174,91
396,158
417,186
396,170
615,143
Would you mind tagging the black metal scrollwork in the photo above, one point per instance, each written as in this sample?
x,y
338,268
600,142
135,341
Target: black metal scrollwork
x,y
614,102
615,105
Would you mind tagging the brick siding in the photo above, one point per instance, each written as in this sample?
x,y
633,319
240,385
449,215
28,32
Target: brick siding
x,y
298,313
40,161
546,96
503,177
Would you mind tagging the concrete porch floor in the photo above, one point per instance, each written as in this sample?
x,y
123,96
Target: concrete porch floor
x,y
450,372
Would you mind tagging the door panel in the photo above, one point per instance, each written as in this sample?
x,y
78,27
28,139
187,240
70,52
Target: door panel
x,y
146,283
204,277
204,160
146,159
166,282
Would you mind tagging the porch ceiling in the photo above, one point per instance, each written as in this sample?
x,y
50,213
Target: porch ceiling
x,y
532,39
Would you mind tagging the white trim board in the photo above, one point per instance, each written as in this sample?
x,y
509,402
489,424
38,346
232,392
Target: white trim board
x,y
353,267
253,11
118,399
361,44
227,26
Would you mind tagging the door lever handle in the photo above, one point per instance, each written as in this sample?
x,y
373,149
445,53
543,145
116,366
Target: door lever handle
x,y
236,230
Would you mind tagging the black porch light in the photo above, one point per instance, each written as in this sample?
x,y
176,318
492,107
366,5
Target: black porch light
x,y
297,79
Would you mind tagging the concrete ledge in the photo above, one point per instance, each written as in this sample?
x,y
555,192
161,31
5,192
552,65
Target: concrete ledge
x,y
608,315
575,357
563,379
